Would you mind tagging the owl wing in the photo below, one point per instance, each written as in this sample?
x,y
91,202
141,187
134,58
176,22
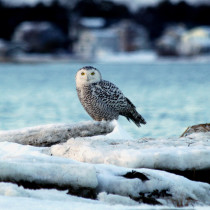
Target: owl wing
x,y
111,95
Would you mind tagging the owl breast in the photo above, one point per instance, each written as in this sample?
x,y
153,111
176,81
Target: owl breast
x,y
96,102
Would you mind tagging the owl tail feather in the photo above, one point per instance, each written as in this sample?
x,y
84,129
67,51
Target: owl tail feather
x,y
136,118
133,115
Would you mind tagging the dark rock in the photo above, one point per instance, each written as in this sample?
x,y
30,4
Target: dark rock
x,y
150,201
151,197
135,174
196,129
158,194
195,175
81,191
147,198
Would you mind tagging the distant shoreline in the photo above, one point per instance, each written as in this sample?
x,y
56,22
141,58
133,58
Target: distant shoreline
x,y
134,57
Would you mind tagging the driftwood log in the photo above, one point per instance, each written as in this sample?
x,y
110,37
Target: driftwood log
x,y
48,135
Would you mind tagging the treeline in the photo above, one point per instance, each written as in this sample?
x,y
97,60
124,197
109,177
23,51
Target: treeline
x,y
153,18
10,16
106,9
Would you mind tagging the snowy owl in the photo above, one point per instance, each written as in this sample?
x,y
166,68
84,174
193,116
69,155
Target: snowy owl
x,y
103,100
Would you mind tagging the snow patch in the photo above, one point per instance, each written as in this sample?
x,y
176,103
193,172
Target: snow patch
x,y
116,199
187,153
118,133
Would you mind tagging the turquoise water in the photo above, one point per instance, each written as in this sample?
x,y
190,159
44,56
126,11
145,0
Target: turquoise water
x,y
169,95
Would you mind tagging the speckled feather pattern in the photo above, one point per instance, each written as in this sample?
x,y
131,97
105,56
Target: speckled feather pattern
x,y
102,100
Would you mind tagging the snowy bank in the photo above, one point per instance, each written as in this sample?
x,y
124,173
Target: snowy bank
x,y
192,152
109,184
104,171
188,156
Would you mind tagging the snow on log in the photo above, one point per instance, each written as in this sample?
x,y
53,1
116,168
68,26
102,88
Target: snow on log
x,y
187,156
20,164
47,135
16,197
49,175
186,153
33,168
136,181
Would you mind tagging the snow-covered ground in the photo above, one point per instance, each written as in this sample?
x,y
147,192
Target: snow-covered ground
x,y
126,177
119,149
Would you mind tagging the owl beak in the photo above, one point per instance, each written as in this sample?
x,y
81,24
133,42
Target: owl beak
x,y
88,78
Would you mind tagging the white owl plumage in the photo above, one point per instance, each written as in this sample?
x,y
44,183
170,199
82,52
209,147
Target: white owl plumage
x,y
102,99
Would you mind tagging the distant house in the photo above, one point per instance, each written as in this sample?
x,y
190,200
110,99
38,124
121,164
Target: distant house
x,y
178,41
91,37
195,41
91,43
168,43
94,40
78,25
39,37
133,37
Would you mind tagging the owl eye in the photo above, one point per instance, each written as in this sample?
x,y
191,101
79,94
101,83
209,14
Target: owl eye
x,y
93,73
83,73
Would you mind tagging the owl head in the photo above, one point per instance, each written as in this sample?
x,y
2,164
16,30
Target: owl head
x,y
87,75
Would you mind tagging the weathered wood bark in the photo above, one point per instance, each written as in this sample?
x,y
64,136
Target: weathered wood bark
x,y
48,135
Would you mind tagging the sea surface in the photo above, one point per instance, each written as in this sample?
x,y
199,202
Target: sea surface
x,y
170,95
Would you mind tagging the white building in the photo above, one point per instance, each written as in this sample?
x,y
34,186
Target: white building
x,y
91,43
94,40
133,37
195,41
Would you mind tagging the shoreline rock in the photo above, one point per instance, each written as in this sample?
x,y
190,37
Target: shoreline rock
x,y
200,128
